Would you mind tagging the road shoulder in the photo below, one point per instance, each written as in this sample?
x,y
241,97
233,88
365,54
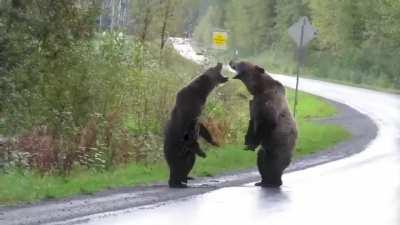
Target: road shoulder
x,y
362,129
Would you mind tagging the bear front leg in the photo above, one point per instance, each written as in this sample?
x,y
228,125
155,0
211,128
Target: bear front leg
x,y
188,140
186,150
194,147
190,144
251,141
200,153
204,133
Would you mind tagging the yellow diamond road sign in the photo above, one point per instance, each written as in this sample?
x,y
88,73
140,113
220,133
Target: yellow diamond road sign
x,y
219,40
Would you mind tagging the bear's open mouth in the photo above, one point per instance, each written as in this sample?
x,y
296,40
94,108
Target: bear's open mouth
x,y
232,64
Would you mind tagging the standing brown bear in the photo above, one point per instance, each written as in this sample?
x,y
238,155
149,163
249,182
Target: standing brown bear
x,y
183,129
271,124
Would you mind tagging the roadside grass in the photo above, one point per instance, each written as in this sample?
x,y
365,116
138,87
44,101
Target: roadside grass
x,y
320,68
27,186
313,137
310,106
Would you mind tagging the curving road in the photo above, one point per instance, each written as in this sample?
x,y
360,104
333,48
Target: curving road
x,y
362,189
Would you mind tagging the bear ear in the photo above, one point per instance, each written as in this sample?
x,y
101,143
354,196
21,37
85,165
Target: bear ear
x,y
260,69
219,67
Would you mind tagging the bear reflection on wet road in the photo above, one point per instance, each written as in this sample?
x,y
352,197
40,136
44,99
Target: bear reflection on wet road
x,y
362,189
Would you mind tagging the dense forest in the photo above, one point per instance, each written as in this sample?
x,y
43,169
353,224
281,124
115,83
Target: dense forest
x,y
79,78
90,84
358,41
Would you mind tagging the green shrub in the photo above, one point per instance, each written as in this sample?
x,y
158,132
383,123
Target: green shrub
x,y
90,101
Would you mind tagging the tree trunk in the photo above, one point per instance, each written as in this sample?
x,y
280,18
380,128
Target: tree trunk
x,y
165,23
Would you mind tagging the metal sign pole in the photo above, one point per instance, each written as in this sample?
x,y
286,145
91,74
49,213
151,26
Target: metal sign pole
x,y
302,32
299,64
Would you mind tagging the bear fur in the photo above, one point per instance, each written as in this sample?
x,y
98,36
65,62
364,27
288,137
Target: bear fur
x,y
184,128
271,124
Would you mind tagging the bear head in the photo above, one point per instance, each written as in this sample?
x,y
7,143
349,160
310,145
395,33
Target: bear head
x,y
215,76
254,77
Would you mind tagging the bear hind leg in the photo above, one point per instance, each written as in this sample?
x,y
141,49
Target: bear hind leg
x,y
262,168
176,179
179,173
271,168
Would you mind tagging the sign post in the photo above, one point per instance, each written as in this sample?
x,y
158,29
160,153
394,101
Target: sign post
x,y
302,32
220,40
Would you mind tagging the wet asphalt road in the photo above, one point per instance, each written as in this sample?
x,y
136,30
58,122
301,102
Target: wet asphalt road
x,y
362,189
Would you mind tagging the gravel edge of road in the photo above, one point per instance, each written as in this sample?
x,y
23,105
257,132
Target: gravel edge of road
x,y
361,127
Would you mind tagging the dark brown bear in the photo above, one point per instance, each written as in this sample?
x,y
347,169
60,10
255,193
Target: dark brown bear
x,y
271,124
183,129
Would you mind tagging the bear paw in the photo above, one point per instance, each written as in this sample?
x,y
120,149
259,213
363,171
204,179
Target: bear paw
x,y
177,185
201,154
267,185
215,144
250,148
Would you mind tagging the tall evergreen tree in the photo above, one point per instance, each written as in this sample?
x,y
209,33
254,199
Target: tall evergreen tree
x,y
251,24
